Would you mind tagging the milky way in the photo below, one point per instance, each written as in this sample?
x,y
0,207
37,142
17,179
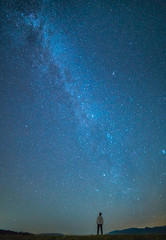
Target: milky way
x,y
83,122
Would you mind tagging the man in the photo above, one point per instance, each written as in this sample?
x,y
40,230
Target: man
x,y
100,222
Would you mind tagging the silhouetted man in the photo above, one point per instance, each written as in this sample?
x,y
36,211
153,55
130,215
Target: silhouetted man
x,y
99,222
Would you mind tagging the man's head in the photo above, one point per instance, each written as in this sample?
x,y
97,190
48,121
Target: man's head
x,y
100,213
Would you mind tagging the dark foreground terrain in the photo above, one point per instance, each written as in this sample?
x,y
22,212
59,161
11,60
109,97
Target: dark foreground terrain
x,y
93,237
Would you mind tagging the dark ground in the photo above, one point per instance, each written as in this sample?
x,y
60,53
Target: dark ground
x,y
93,237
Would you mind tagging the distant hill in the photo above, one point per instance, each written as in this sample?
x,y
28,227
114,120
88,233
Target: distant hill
x,y
7,232
51,234
146,230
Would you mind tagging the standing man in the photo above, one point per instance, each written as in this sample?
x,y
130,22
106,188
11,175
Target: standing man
x,y
100,222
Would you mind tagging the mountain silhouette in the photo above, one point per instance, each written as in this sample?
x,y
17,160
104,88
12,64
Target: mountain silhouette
x,y
146,230
8,232
51,234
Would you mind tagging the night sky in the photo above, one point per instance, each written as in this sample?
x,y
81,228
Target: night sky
x,y
83,114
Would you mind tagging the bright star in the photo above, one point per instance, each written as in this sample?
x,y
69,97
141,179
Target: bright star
x,y
163,151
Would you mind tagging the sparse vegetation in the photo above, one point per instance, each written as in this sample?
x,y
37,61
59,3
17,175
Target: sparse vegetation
x,y
93,237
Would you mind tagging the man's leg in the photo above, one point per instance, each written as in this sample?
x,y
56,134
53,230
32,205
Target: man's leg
x,y
97,229
101,229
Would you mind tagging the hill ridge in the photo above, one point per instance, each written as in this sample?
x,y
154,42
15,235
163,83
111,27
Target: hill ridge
x,y
145,230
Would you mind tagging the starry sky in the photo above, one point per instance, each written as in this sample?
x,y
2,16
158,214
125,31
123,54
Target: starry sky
x,y
83,114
